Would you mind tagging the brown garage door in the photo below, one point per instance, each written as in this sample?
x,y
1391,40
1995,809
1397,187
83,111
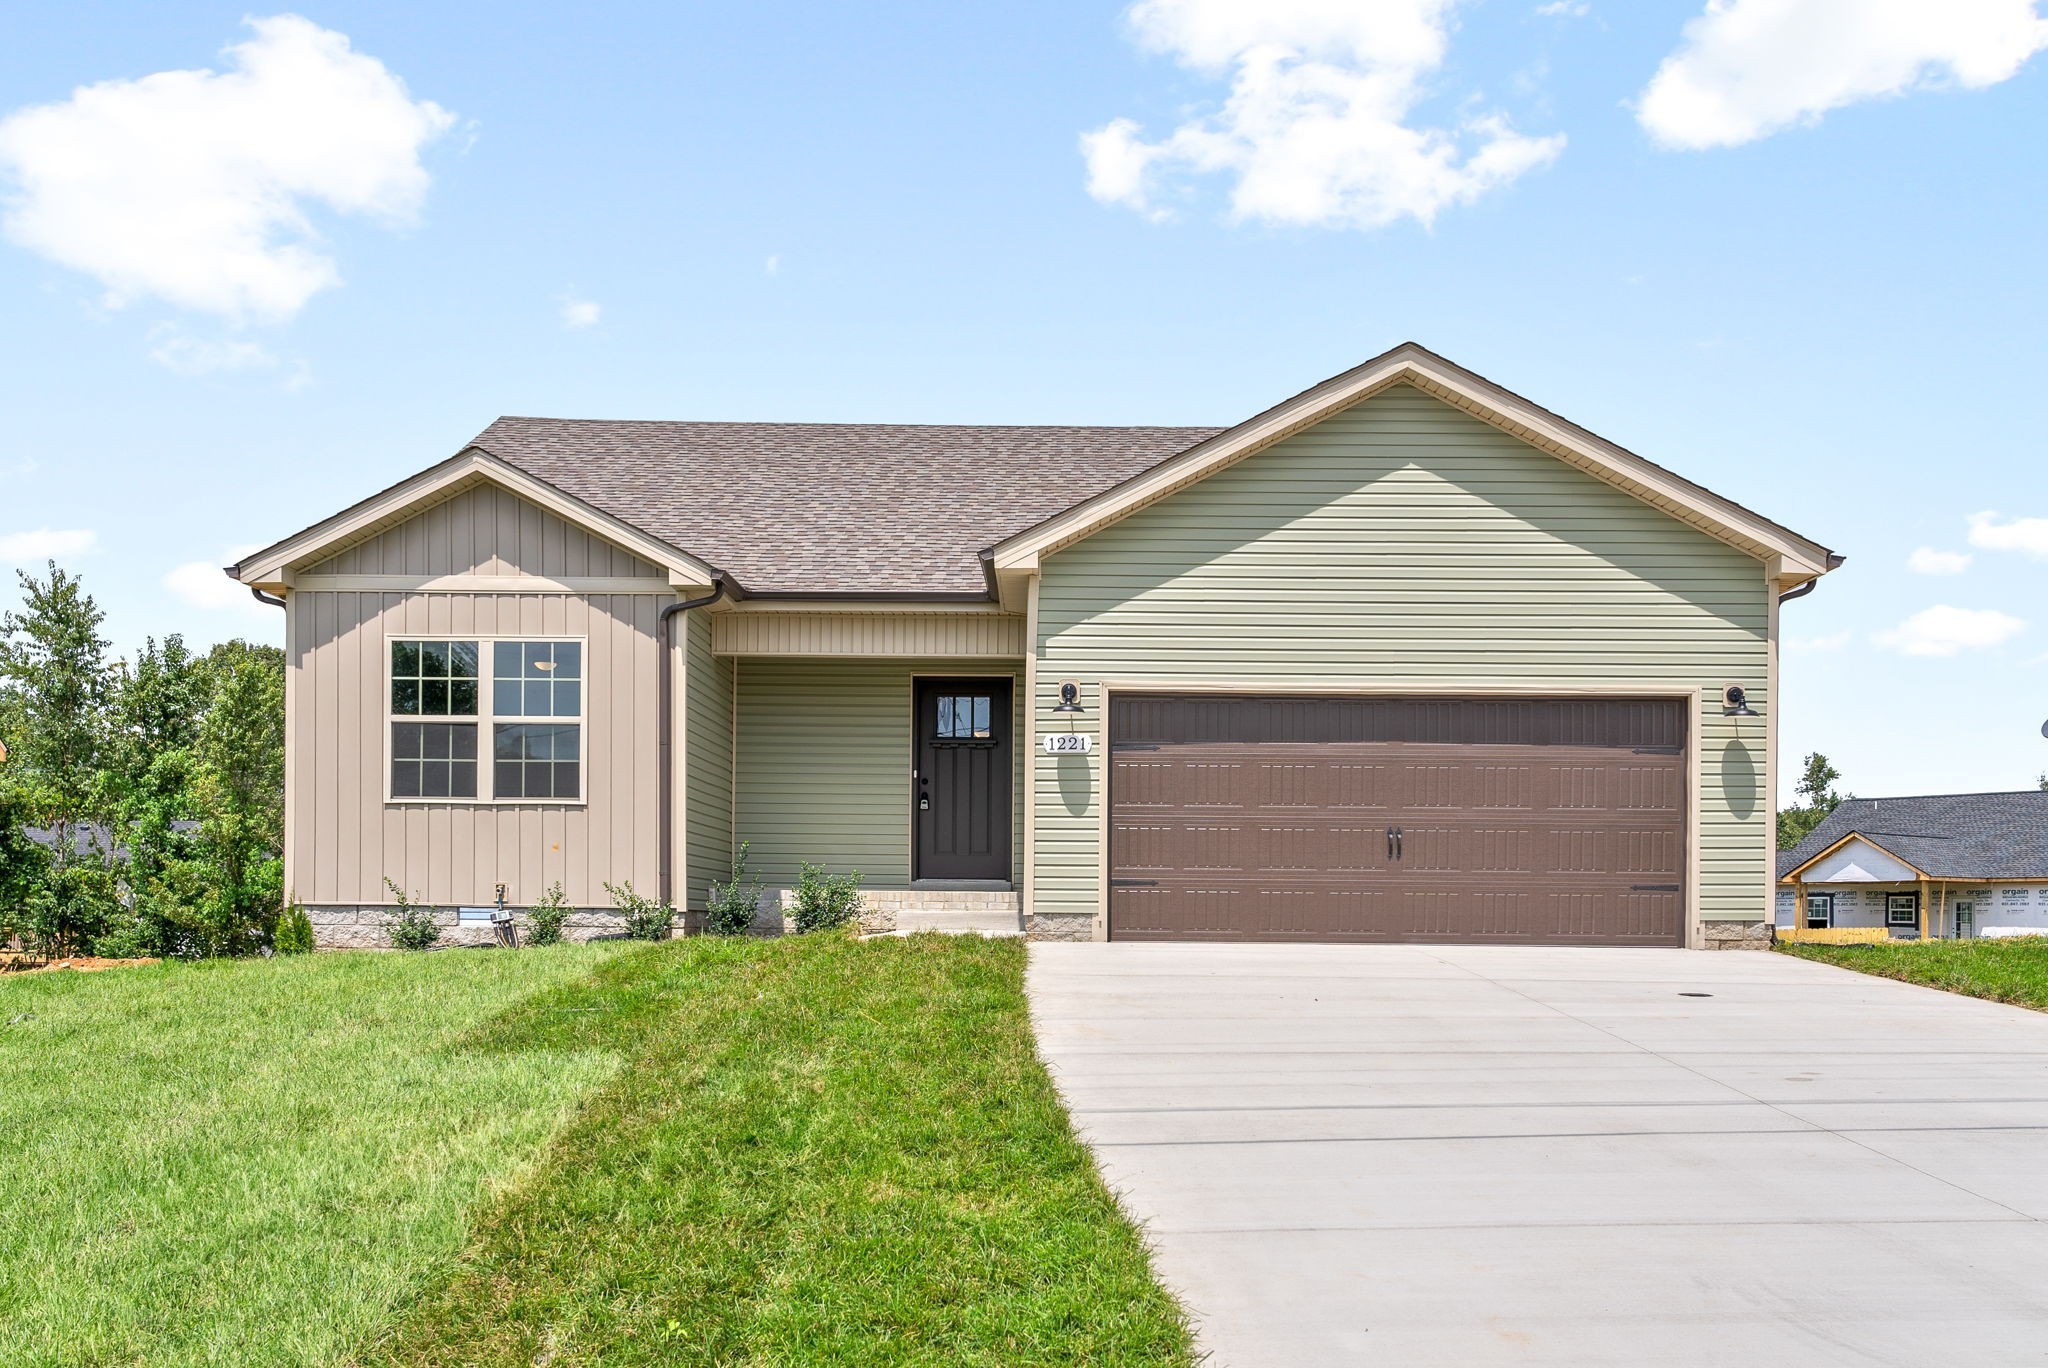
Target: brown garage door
x,y
1397,819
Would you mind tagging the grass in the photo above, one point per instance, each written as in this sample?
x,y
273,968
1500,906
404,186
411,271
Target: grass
x,y
825,1151
815,1151
2010,969
253,1162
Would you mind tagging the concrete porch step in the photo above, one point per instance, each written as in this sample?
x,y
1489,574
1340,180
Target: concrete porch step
x,y
961,921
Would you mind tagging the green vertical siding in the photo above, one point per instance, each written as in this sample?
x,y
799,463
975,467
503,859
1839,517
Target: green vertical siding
x,y
824,764
1404,543
707,763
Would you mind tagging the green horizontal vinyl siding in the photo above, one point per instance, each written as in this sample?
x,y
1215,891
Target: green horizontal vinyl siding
x,y
825,760
707,762
1405,543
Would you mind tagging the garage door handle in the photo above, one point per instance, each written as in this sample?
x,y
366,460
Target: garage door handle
x,y
1394,835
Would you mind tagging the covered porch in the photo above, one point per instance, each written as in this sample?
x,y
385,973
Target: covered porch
x,y
847,746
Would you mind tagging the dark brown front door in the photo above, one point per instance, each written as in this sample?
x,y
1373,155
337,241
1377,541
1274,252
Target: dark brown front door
x,y
1391,819
961,788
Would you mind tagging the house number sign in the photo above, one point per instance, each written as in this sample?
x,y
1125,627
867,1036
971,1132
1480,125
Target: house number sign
x,y
1069,743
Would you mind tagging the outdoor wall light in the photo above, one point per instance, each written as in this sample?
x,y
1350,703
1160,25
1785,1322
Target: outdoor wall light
x,y
1070,697
1735,702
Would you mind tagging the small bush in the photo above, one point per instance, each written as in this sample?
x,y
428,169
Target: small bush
x,y
732,907
294,931
645,918
545,918
411,926
823,900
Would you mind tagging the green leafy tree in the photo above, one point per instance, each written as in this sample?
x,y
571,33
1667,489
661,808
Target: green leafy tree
x,y
1817,788
24,866
57,687
238,791
159,708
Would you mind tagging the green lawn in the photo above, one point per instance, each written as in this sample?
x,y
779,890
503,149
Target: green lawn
x,y
2009,969
805,1151
254,1162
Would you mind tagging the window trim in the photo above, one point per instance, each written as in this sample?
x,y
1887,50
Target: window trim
x,y
1806,912
1912,912
486,721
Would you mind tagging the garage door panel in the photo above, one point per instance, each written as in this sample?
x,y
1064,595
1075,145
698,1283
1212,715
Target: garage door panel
x,y
1518,820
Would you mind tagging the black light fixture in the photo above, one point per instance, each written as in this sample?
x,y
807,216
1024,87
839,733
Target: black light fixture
x,y
1735,702
1070,698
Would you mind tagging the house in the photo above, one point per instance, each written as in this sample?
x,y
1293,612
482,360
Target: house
x,y
1404,657
1946,865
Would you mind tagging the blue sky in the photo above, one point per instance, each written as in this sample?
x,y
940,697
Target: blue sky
x,y
1790,248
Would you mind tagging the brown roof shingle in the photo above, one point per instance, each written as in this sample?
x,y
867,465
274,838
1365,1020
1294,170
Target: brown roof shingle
x,y
833,508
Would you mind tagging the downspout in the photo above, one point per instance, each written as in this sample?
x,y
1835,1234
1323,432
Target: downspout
x,y
261,597
719,586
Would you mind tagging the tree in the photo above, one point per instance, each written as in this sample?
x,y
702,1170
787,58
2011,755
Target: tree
x,y
158,711
1817,786
52,664
54,675
238,790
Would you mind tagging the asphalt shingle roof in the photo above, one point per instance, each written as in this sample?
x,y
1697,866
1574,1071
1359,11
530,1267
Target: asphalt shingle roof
x,y
833,507
1946,835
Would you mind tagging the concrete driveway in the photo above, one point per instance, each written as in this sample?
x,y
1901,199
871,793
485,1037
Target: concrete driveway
x,y
1503,1155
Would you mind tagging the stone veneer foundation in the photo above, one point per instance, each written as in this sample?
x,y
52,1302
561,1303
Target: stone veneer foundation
x,y
1734,935
362,928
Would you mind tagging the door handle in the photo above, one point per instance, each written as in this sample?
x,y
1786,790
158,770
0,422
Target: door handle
x,y
1400,843
1390,843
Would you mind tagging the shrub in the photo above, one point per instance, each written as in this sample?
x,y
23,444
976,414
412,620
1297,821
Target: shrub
x,y
294,931
645,918
732,906
544,919
69,909
410,925
823,900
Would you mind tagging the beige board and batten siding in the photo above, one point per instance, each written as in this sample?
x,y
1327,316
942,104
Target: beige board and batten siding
x,y
1403,545
825,760
344,837
485,530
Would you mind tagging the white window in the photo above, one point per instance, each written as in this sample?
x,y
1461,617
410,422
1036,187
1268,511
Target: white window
x,y
1820,911
532,701
1902,909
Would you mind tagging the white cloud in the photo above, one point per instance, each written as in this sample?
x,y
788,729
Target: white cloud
x,y
45,544
1565,9
2029,535
773,266
194,186
1833,641
1747,68
22,468
181,353
1944,631
204,584
579,313
1926,560
1315,126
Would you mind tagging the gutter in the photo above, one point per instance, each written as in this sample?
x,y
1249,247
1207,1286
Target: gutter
x,y
1801,591
720,586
